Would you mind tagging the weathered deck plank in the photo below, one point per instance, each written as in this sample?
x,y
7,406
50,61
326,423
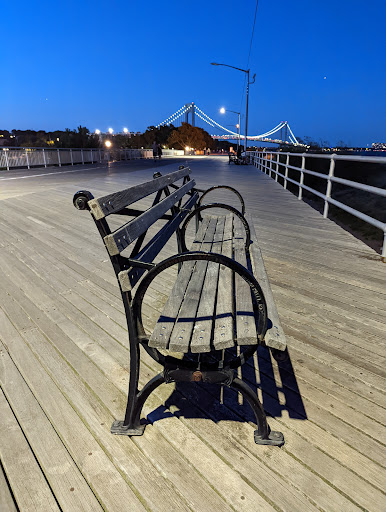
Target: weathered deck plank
x,y
67,324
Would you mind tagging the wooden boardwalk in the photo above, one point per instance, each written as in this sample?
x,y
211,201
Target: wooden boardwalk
x,y
64,365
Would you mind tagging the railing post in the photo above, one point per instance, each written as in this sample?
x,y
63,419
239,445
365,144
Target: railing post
x,y
277,166
100,157
44,158
59,162
270,165
384,247
302,177
6,159
72,159
92,160
286,170
82,156
26,157
329,186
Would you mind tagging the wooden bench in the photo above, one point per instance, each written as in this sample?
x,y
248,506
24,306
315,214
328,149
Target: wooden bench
x,y
221,306
236,160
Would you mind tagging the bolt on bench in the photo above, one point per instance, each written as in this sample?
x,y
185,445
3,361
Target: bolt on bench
x,y
221,306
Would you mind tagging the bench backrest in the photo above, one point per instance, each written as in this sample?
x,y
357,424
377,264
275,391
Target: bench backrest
x,y
168,196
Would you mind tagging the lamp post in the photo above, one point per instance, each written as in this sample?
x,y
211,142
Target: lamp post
x,y
222,111
247,102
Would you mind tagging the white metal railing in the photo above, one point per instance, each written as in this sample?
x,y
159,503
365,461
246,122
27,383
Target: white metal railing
x,y
269,163
11,157
173,152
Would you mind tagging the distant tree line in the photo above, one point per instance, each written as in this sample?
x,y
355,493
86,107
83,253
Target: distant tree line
x,y
79,138
170,136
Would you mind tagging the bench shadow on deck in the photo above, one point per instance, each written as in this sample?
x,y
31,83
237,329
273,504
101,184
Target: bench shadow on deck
x,y
209,401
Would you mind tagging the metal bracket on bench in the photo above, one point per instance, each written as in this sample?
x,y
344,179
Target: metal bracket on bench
x,y
224,376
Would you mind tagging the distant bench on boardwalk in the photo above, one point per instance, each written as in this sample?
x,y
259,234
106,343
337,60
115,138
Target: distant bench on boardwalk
x,y
221,298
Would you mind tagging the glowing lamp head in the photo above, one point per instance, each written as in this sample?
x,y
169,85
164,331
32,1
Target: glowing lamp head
x,y
237,126
108,143
222,110
125,130
187,148
97,132
111,130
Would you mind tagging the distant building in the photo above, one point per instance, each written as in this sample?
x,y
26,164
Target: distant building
x,y
378,146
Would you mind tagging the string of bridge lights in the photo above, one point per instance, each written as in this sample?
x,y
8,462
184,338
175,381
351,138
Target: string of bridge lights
x,y
204,117
173,117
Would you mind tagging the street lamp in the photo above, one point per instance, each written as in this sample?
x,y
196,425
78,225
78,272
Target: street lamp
x,y
222,111
108,144
248,84
111,131
125,130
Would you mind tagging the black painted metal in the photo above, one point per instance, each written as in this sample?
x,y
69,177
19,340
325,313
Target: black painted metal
x,y
216,370
228,188
261,306
262,435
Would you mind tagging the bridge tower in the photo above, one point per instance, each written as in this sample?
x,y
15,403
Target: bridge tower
x,y
284,132
189,110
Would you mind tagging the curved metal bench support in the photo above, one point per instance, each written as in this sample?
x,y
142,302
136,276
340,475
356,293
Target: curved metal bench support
x,y
197,256
263,434
131,425
197,211
228,188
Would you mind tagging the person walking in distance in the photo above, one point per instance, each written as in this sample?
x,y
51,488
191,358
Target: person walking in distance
x,y
155,150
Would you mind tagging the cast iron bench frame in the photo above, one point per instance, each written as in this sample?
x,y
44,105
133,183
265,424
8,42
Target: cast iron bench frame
x,y
129,271
236,160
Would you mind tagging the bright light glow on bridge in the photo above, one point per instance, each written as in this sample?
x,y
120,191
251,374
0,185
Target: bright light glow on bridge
x,y
229,134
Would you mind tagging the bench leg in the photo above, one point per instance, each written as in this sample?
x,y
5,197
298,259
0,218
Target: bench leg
x,y
131,425
263,435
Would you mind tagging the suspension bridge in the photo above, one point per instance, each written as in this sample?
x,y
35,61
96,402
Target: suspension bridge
x,y
286,135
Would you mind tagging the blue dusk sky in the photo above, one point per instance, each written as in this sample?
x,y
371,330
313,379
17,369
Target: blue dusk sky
x,y
319,64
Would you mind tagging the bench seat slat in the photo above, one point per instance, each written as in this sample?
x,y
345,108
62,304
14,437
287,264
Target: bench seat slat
x,y
183,327
275,337
202,331
163,328
223,336
124,236
245,318
111,203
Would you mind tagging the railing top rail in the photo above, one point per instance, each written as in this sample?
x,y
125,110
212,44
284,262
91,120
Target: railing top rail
x,y
357,158
49,149
67,149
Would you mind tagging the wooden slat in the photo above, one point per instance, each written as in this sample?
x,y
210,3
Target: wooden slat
x,y
183,327
223,336
275,337
163,328
6,500
245,318
129,278
43,439
111,203
30,487
202,331
124,236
